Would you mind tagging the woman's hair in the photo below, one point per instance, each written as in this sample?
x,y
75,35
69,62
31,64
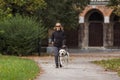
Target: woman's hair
x,y
58,25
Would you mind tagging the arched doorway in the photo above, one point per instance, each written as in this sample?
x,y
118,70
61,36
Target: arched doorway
x,y
95,34
116,35
116,30
95,28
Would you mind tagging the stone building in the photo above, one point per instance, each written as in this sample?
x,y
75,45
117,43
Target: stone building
x,y
99,26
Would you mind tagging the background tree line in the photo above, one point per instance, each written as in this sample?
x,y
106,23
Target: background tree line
x,y
115,4
63,11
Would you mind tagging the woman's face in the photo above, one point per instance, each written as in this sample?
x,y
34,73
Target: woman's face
x,y
57,28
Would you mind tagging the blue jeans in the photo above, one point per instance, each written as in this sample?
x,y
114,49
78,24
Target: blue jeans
x,y
56,54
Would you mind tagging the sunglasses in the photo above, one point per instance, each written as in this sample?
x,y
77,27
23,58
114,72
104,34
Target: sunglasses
x,y
57,26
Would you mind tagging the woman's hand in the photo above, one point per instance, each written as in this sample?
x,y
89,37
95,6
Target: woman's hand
x,y
52,43
64,46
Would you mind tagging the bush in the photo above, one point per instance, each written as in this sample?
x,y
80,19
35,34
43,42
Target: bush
x,y
21,35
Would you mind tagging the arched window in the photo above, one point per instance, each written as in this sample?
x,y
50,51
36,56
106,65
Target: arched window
x,y
95,16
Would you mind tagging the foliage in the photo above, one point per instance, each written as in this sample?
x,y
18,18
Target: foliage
x,y
14,68
3,13
2,42
115,4
21,34
112,64
23,7
64,11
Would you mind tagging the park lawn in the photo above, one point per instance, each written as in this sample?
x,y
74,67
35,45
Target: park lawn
x,y
15,68
111,64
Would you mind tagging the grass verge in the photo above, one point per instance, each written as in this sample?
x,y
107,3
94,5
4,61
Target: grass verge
x,y
112,64
15,68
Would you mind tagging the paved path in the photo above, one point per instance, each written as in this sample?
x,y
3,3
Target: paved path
x,y
79,68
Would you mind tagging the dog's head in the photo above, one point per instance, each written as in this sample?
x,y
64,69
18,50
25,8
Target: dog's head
x,y
62,52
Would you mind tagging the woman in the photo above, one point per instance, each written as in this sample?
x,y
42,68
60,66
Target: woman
x,y
58,40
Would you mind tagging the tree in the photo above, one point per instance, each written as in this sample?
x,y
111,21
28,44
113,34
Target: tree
x,y
115,4
23,7
63,11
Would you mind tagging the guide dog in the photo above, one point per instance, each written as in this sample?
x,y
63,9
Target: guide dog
x,y
64,56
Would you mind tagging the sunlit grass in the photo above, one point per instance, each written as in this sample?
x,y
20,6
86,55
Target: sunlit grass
x,y
14,68
112,64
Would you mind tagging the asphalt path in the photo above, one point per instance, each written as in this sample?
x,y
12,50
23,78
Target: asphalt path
x,y
79,68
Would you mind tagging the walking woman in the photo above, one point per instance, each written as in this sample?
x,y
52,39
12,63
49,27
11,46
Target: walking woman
x,y
58,41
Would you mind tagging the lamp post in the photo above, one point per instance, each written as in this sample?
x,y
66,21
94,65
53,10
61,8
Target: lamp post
x,y
39,42
39,46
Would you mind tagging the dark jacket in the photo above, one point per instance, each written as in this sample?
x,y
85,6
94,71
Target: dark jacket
x,y
58,37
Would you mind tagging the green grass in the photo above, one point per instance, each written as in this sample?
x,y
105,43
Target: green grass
x,y
112,64
15,68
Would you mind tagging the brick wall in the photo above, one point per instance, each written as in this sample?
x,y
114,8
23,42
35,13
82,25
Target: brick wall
x,y
102,8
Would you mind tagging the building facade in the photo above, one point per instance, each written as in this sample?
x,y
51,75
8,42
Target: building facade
x,y
99,26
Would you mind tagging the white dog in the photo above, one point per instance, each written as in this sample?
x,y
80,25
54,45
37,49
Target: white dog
x,y
64,57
